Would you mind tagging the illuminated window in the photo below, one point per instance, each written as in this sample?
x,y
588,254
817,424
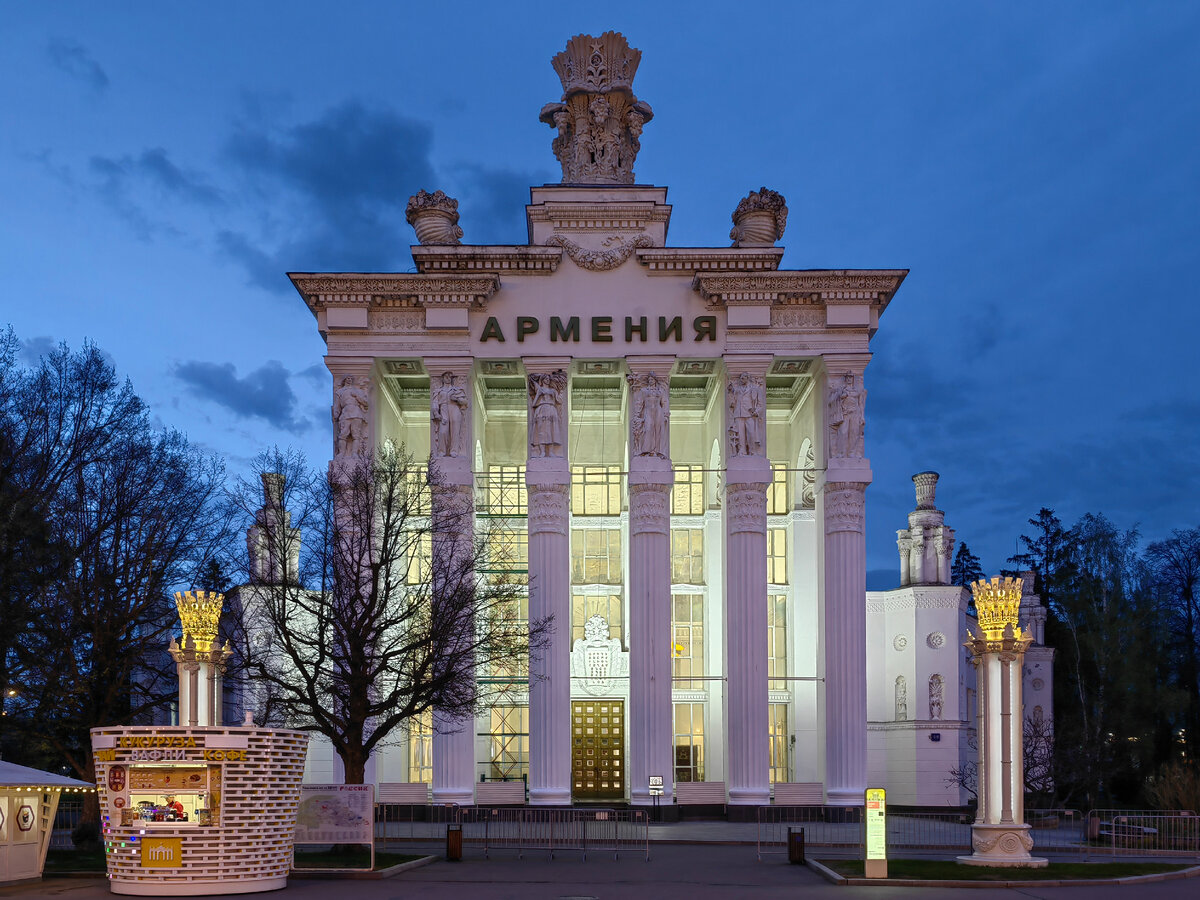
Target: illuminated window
x,y
777,492
689,742
687,555
777,570
509,743
777,641
688,497
504,491
608,606
687,650
507,550
420,559
596,490
512,673
416,491
778,740
596,556
420,748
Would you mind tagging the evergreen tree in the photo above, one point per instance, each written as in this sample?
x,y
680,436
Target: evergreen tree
x,y
966,568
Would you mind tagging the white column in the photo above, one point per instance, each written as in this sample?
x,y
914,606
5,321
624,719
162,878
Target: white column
x,y
451,453
747,475
842,507
548,480
650,482
193,688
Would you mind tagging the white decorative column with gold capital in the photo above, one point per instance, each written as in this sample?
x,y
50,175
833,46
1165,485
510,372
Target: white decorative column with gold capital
x,y
999,835
842,507
747,475
548,480
450,404
650,482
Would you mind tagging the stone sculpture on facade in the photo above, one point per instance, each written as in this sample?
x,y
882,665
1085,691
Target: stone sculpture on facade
x,y
350,405
599,121
449,407
434,217
747,408
547,395
901,698
651,416
759,219
937,687
847,417
808,476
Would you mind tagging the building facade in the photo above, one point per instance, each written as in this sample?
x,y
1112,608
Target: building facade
x,y
667,441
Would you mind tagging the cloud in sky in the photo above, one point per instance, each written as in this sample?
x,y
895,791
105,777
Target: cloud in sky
x,y
132,184
336,187
263,394
34,348
74,59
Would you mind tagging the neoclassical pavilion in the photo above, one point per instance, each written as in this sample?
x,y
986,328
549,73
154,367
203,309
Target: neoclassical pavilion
x,y
671,441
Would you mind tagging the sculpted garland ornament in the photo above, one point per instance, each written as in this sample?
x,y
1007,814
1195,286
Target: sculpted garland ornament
x,y
600,260
843,507
547,509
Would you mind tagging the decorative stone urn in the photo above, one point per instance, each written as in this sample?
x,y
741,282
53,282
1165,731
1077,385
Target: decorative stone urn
x,y
759,219
926,483
434,217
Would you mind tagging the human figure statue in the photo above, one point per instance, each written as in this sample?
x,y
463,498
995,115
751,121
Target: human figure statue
x,y
546,393
447,411
651,416
936,690
350,404
846,420
901,698
746,413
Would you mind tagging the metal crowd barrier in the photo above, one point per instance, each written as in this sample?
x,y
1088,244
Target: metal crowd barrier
x,y
833,828
519,828
1125,832
66,820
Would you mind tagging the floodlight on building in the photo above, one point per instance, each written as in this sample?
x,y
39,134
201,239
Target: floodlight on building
x,y
997,604
200,614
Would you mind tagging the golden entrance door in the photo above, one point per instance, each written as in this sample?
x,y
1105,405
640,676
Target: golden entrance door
x,y
598,749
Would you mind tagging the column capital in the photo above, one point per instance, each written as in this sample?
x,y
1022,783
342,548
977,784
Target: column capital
x,y
545,364
548,508
462,366
843,363
845,506
746,507
649,508
660,364
752,363
350,365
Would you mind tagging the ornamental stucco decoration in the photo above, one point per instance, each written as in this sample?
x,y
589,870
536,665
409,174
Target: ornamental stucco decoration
x,y
547,508
600,260
935,640
899,642
844,506
759,219
434,217
598,121
746,507
649,509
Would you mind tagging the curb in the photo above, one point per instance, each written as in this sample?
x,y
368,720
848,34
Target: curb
x,y
855,881
362,875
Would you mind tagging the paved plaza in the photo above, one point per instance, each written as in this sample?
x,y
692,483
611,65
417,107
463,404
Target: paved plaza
x,y
674,870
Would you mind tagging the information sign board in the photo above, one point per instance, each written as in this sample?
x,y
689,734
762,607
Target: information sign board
x,y
875,865
336,814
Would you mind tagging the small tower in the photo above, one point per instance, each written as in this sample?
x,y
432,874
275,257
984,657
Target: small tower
x,y
999,835
926,546
272,542
200,660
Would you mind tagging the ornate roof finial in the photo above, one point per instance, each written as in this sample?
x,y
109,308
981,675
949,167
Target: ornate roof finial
x,y
599,120
434,217
759,219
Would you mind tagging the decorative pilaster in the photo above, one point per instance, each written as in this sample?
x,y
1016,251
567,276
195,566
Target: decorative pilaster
x,y
548,480
843,508
997,644
747,475
650,482
450,396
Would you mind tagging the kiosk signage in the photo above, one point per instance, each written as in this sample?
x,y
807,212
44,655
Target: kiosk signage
x,y
875,865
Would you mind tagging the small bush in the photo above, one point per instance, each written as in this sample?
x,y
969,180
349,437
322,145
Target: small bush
x,y
1176,786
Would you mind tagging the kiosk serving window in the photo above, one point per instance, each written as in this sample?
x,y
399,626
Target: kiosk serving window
x,y
173,793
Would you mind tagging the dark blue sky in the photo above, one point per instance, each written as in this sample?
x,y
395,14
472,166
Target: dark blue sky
x,y
1034,164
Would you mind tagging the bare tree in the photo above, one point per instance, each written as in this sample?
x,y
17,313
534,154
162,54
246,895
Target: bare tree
x,y
1175,571
382,612
1037,749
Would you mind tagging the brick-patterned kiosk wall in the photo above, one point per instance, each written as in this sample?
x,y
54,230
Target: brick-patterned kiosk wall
x,y
251,780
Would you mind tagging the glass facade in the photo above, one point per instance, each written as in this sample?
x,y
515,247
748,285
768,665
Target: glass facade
x,y
689,741
687,650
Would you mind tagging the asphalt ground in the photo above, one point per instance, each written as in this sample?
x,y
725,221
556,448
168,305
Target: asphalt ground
x,y
690,871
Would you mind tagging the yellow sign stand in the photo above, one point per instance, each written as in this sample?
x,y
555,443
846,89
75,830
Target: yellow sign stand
x,y
875,864
162,852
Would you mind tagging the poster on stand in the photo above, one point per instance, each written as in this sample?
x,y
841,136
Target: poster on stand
x,y
336,814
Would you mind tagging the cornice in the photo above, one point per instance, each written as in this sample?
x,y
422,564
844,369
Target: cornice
x,y
618,215
523,259
840,286
680,260
346,289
